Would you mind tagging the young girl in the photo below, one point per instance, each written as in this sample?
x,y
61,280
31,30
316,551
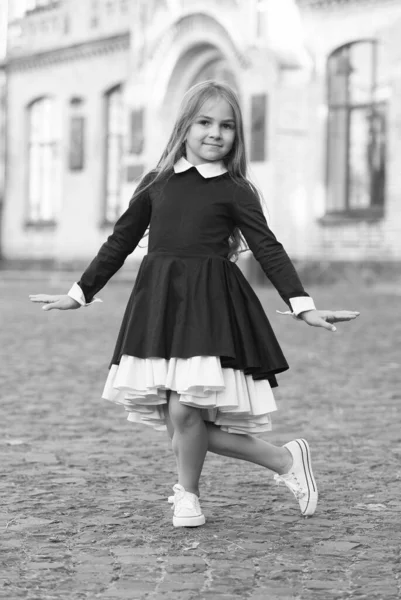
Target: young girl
x,y
196,354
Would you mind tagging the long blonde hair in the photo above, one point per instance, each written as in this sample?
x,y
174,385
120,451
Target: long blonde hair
x,y
235,161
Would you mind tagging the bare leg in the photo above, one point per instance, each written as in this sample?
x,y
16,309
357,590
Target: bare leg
x,y
249,448
189,442
243,447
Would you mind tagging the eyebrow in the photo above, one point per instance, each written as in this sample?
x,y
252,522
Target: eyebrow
x,y
211,118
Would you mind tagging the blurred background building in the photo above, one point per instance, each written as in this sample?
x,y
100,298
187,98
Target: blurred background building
x,y
92,92
3,50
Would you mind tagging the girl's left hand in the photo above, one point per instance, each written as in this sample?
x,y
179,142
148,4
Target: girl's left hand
x,y
326,318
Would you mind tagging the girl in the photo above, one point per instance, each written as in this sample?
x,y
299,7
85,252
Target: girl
x,y
196,354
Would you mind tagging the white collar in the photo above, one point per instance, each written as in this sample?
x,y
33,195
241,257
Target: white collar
x,y
210,169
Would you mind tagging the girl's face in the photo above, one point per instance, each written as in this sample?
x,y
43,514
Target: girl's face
x,y
212,134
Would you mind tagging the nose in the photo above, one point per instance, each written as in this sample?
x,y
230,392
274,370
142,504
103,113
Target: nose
x,y
215,132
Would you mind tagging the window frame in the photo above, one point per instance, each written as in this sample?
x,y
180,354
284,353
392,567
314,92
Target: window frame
x,y
259,108
117,88
30,220
371,212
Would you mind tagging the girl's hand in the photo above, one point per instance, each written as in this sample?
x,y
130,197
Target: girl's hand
x,y
63,302
325,318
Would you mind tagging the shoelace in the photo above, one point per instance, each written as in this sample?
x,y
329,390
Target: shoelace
x,y
171,500
292,483
182,501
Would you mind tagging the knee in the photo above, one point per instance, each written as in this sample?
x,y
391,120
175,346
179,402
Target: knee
x,y
182,416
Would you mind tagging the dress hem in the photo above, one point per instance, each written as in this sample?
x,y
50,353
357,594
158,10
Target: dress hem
x,y
227,397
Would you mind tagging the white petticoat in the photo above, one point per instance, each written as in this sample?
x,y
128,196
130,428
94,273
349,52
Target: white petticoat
x,y
227,397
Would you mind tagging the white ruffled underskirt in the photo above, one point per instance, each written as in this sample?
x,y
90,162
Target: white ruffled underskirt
x,y
227,397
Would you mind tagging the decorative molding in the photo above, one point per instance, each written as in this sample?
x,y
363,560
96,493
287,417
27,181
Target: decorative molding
x,y
37,10
81,51
194,22
40,225
322,4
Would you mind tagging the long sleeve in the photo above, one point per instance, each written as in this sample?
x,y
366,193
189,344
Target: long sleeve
x,y
268,251
126,235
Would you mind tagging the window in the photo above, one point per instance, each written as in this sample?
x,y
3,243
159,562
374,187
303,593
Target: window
x,y
42,162
356,139
114,150
258,127
77,135
136,131
260,24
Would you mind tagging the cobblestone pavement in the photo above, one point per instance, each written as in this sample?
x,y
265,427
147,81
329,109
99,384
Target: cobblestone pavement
x,y
83,491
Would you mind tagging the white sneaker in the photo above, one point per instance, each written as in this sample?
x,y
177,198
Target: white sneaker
x,y
170,500
299,478
187,510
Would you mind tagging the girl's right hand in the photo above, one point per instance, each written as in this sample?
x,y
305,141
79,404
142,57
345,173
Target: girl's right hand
x,y
63,302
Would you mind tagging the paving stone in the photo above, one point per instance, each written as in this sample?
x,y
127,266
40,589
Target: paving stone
x,y
323,585
185,560
285,592
83,492
179,585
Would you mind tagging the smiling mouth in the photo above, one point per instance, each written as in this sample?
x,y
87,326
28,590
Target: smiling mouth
x,y
213,145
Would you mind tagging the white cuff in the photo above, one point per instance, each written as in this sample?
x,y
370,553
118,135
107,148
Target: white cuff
x,y
77,294
301,304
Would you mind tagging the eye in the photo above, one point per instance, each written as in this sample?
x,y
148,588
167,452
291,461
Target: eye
x,y
203,122
229,126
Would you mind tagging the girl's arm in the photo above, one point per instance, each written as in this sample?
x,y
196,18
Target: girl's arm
x,y
268,251
126,235
277,265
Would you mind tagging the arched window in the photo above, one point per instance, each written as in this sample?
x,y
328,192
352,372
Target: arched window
x,y
42,161
356,141
114,151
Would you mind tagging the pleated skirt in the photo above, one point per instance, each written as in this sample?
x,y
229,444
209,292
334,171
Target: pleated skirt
x,y
226,397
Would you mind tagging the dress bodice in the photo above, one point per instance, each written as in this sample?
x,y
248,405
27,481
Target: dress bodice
x,y
189,214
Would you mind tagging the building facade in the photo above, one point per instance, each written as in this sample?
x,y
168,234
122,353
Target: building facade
x,y
93,88
3,48
354,136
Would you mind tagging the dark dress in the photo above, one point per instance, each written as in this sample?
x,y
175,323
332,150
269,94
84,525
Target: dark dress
x,y
193,323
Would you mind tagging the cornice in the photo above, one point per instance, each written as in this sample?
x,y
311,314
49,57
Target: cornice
x,y
70,53
322,4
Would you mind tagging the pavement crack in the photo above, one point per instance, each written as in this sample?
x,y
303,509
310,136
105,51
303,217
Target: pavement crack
x,y
397,574
163,573
208,576
256,577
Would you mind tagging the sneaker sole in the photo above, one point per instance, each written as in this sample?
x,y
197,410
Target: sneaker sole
x,y
189,521
307,463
